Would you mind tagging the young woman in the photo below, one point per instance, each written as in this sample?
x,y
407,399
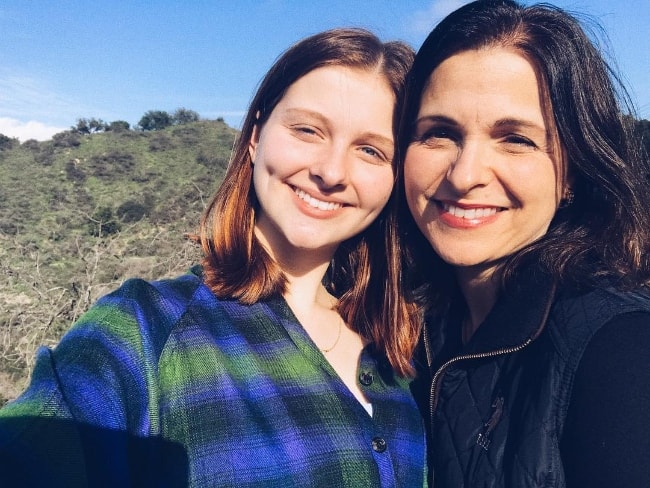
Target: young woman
x,y
280,363
530,193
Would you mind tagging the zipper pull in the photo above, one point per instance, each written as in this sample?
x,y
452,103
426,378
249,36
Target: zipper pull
x,y
483,438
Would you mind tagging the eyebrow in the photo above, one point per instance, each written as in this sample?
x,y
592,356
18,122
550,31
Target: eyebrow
x,y
526,124
501,123
378,139
304,111
435,118
372,136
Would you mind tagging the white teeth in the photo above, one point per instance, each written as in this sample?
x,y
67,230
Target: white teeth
x,y
470,213
316,203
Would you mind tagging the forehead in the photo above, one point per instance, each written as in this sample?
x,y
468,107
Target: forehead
x,y
490,84
339,90
492,81
330,76
491,71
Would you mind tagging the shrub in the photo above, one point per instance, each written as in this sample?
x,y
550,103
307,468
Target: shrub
x,y
119,126
111,163
160,142
7,142
31,144
74,173
184,116
211,161
45,156
66,139
9,226
188,135
103,223
131,211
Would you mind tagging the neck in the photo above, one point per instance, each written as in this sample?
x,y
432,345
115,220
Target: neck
x,y
306,292
480,290
304,270
316,309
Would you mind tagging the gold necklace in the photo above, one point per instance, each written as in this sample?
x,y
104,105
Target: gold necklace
x,y
338,336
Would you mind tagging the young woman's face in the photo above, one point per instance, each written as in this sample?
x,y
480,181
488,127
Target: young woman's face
x,y
483,177
323,160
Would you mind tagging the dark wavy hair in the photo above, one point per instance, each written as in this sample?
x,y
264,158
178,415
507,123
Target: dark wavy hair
x,y
605,230
365,272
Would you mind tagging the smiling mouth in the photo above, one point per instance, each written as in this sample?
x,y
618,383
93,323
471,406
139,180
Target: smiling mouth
x,y
469,213
315,202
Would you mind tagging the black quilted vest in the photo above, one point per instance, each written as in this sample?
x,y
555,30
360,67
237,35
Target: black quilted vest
x,y
496,407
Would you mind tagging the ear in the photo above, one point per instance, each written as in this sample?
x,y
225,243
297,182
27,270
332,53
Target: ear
x,y
254,140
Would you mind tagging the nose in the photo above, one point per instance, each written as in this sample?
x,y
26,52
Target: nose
x,y
470,168
332,168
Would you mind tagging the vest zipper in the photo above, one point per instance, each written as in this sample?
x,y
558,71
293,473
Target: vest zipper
x,y
434,391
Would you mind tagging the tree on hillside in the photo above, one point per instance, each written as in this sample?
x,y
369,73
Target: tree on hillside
x,y
119,126
185,116
90,126
155,120
7,142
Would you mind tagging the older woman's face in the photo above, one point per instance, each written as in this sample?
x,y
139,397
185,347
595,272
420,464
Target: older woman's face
x,y
482,175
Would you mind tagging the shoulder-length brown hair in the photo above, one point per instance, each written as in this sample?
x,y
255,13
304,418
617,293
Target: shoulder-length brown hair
x,y
365,271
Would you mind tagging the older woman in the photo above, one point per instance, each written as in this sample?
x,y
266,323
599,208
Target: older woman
x,y
531,199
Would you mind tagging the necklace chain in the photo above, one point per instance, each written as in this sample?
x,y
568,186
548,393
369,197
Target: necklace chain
x,y
336,341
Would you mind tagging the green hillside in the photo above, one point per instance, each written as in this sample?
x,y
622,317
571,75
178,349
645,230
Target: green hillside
x,y
81,213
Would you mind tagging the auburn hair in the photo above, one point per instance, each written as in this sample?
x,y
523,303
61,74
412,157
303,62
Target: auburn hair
x,y
365,272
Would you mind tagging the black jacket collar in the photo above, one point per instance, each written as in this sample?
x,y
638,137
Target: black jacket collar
x,y
519,315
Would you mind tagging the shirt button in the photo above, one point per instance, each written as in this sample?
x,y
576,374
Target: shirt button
x,y
366,378
378,444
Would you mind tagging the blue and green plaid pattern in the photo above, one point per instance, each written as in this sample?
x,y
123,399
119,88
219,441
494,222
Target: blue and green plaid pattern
x,y
163,384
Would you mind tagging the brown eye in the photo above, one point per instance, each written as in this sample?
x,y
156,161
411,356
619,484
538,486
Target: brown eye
x,y
436,133
520,140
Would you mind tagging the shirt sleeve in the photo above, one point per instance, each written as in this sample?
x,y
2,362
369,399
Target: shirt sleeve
x,y
606,439
90,408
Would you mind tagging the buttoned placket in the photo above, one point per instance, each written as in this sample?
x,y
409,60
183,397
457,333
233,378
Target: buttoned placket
x,y
370,383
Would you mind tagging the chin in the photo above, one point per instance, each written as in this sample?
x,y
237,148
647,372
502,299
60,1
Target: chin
x,y
462,261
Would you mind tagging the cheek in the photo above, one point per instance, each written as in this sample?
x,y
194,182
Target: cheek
x,y
376,186
258,181
537,182
265,172
278,154
550,206
411,167
421,173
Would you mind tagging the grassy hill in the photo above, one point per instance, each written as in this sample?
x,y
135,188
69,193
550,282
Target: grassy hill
x,y
81,213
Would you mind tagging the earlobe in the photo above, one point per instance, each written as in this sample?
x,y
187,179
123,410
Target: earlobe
x,y
568,198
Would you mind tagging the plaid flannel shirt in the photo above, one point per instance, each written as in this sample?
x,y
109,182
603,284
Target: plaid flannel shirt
x,y
163,384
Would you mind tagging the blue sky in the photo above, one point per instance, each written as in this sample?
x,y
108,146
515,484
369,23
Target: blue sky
x,y
114,60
